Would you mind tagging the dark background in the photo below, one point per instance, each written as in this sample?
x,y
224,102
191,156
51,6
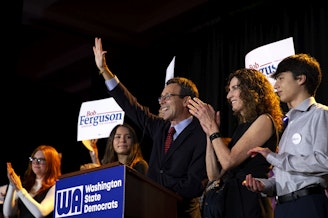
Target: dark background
x,y
49,70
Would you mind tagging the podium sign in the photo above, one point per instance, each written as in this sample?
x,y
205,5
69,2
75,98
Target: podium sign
x,y
98,193
112,190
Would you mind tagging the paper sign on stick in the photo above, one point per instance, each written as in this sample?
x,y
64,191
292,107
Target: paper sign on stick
x,y
266,58
98,118
170,70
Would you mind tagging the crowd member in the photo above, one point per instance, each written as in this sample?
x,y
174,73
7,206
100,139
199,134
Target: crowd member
x,y
122,146
34,195
91,145
182,168
257,109
300,167
3,190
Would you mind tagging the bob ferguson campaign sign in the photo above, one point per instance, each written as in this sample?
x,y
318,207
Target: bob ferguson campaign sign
x,y
266,58
98,118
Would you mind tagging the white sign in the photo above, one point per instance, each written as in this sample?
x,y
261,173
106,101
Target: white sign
x,y
266,58
170,70
98,118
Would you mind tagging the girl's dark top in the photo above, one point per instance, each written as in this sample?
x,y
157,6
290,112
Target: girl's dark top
x,y
141,167
24,211
257,166
238,201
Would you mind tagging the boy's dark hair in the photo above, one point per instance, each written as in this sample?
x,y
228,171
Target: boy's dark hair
x,y
302,64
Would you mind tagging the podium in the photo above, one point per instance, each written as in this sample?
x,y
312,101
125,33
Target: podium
x,y
112,190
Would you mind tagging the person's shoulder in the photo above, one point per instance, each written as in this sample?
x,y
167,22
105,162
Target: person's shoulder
x,y
322,107
141,166
318,113
196,128
142,162
264,118
195,123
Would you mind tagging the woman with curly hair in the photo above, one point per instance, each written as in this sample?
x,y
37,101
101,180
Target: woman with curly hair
x,y
257,109
34,195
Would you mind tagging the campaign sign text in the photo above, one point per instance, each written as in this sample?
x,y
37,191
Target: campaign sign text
x,y
99,193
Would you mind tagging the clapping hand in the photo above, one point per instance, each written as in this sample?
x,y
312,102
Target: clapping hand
x,y
14,179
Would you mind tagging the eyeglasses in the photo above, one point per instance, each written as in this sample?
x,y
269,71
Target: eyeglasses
x,y
168,96
37,160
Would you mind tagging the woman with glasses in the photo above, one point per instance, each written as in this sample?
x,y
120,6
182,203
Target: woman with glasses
x,y
34,195
257,109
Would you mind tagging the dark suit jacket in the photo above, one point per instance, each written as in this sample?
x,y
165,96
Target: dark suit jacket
x,y
182,169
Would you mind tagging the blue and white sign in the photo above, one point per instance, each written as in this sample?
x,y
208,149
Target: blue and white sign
x,y
267,57
98,118
99,193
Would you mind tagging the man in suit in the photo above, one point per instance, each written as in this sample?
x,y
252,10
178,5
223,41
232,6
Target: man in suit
x,y
182,167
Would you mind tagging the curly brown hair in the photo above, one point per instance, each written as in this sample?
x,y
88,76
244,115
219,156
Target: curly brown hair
x,y
258,96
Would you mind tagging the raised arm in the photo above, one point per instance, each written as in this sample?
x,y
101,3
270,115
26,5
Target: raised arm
x,y
100,60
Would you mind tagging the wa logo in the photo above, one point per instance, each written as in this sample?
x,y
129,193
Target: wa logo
x,y
69,202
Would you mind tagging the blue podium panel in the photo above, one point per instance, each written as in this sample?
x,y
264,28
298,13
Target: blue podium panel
x,y
98,193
